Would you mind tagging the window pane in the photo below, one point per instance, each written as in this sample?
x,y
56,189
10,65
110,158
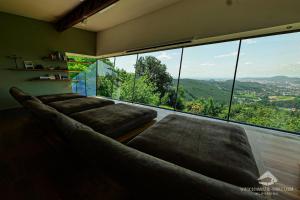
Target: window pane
x,y
79,80
83,82
156,78
91,80
124,79
267,90
105,77
206,79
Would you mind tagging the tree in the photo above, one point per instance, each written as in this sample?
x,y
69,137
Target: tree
x,y
143,91
156,74
105,87
106,77
80,63
172,99
206,107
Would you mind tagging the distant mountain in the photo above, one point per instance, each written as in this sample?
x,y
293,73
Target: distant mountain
x,y
274,79
218,90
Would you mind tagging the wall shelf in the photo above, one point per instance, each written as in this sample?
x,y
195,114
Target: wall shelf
x,y
73,61
48,70
66,61
63,80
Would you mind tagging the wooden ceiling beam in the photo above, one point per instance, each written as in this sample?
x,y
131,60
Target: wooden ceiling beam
x,y
82,12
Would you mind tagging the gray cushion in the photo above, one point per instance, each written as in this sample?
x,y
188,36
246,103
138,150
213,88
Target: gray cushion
x,y
79,104
218,150
59,97
21,96
115,120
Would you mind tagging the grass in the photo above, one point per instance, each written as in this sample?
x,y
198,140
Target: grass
x,y
166,107
281,98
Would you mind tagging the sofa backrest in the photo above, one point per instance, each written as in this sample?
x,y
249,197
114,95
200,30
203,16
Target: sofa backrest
x,y
144,174
21,96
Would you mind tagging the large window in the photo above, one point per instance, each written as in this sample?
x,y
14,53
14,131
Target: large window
x,y
156,78
267,87
206,79
264,92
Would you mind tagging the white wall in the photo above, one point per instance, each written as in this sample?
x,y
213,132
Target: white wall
x,y
197,18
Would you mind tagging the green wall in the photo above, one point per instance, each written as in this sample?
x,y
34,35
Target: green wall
x,y
32,39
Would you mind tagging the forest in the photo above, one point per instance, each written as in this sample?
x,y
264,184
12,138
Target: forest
x,y
270,102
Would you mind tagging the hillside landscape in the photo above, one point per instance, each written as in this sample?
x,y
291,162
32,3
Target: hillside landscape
x,y
264,101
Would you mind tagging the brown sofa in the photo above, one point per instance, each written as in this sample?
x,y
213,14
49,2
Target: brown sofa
x,y
156,166
118,121
145,176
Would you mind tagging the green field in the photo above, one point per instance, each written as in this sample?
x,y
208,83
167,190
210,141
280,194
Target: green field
x,y
281,98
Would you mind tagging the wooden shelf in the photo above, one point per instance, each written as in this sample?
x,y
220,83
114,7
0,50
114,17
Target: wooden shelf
x,y
67,61
64,80
48,70
73,61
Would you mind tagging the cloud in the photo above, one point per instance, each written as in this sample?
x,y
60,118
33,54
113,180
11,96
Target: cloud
x,y
207,64
164,56
298,63
248,63
249,41
227,55
175,53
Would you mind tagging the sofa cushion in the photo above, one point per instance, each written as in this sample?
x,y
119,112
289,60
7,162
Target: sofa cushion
x,y
58,97
53,118
215,149
21,96
115,120
79,104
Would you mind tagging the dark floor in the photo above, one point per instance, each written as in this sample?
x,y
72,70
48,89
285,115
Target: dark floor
x,y
37,165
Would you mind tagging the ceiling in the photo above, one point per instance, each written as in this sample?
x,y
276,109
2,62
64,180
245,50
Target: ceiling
x,y
45,10
52,10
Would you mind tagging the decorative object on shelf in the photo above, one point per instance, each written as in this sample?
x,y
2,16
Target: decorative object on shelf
x,y
39,66
51,77
56,56
47,77
44,77
54,77
28,65
15,58
64,77
58,76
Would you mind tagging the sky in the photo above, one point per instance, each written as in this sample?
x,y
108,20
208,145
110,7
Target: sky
x,y
269,56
